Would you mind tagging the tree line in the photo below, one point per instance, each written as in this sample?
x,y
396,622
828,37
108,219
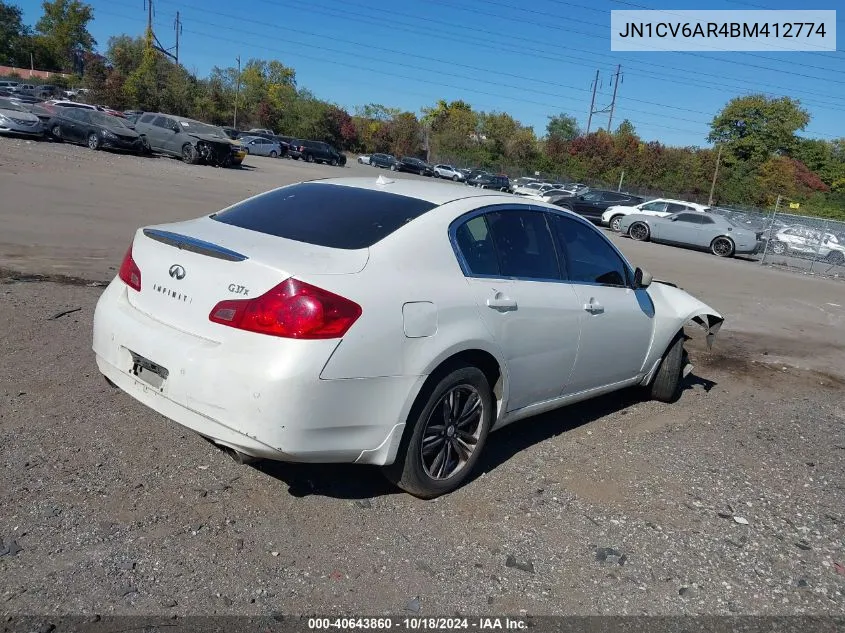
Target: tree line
x,y
763,155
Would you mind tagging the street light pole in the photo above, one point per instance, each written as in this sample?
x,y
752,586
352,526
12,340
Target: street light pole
x,y
237,93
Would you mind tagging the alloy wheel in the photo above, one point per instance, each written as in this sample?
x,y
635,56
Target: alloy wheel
x,y
452,432
638,231
722,247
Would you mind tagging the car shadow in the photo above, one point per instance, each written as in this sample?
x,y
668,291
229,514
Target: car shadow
x,y
361,483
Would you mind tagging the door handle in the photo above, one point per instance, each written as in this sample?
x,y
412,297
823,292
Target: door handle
x,y
594,307
501,302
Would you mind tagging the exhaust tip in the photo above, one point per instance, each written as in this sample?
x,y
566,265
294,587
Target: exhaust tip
x,y
238,457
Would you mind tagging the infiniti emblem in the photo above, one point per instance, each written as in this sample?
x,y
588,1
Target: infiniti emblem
x,y
177,272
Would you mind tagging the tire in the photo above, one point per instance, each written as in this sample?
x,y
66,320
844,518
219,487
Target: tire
x,y
93,141
393,168
360,162
189,154
309,158
455,178
722,247
666,386
146,150
334,162
639,231
420,473
57,132
273,154
837,258
780,248
614,223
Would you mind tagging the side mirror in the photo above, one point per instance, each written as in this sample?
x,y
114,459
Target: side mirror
x,y
176,128
642,278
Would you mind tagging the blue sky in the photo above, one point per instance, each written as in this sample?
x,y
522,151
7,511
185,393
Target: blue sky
x,y
530,59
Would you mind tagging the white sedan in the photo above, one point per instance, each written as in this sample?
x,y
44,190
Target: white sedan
x,y
364,159
661,208
386,322
450,172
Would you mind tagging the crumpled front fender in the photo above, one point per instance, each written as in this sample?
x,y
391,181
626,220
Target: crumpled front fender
x,y
675,307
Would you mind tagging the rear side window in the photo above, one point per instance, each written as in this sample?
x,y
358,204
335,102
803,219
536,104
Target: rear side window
x,y
147,118
333,216
524,244
476,246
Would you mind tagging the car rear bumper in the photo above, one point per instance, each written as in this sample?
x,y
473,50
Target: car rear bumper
x,y
263,397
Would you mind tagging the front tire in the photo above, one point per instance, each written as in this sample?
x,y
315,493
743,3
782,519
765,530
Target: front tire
x,y
56,132
722,247
779,248
615,223
837,258
639,231
189,154
455,178
93,141
447,429
666,386
274,154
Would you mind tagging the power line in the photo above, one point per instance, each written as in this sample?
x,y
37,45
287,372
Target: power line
x,y
453,64
485,43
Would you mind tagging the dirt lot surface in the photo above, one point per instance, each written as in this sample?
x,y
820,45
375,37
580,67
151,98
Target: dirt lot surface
x,y
729,502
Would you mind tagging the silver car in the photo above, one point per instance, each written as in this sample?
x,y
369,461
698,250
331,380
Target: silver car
x,y
447,171
260,146
694,230
15,119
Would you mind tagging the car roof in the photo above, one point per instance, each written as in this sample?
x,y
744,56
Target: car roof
x,y
434,192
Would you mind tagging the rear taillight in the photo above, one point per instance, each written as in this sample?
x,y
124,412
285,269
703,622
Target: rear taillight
x,y
129,271
293,309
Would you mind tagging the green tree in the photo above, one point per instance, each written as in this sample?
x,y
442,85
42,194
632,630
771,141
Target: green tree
x,y
755,126
125,53
64,29
563,127
14,35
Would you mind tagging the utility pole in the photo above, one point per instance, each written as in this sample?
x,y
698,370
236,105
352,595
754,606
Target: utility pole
x,y
593,102
149,18
178,27
715,174
237,93
613,103
621,178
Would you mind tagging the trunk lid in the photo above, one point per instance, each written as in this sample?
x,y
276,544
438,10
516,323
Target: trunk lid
x,y
189,267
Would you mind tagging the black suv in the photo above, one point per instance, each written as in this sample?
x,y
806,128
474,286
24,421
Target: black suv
x,y
317,152
489,181
415,166
384,160
595,202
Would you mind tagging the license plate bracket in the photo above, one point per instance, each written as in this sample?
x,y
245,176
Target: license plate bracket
x,y
151,373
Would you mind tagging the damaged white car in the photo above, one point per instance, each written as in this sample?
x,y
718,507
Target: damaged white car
x,y
386,322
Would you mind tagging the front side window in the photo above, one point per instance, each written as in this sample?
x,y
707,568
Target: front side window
x,y
654,206
589,257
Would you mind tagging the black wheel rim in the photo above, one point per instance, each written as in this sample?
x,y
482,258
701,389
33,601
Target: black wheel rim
x,y
722,247
452,432
638,232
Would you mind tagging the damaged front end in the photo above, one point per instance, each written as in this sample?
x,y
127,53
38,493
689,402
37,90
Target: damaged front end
x,y
218,154
675,308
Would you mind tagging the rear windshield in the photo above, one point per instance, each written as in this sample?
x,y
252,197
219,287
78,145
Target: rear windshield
x,y
334,216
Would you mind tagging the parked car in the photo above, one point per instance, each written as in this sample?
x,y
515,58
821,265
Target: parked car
x,y
283,141
447,171
592,204
661,207
522,181
271,327
808,242
11,86
95,129
414,166
489,181
527,188
692,229
261,130
260,146
384,160
192,141
364,159
318,152
15,119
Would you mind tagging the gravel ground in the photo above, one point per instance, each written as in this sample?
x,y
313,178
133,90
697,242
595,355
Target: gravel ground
x,y
728,502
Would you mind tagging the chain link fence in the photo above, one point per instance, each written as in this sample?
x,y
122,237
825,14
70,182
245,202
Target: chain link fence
x,y
815,246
